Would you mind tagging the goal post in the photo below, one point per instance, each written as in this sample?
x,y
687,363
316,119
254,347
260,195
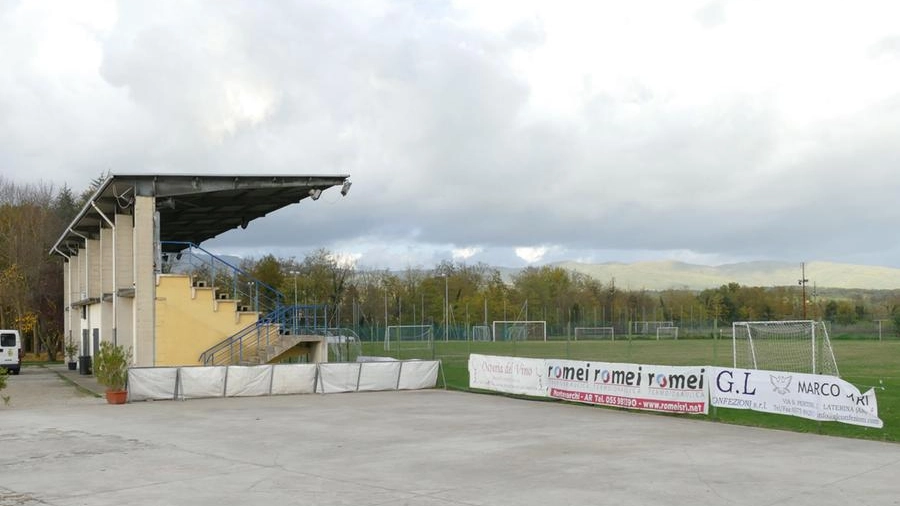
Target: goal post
x,y
666,333
520,330
410,336
789,346
648,327
595,333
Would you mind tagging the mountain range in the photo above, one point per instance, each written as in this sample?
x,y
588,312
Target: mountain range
x,y
662,275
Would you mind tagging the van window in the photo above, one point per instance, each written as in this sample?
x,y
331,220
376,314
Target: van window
x,y
8,339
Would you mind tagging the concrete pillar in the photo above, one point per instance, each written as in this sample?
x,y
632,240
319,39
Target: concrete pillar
x,y
144,322
124,318
107,289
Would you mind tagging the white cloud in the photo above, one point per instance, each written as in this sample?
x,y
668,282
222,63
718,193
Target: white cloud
x,y
344,259
700,130
463,254
531,254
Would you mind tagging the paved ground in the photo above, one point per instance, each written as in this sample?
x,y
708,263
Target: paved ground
x,y
39,387
418,448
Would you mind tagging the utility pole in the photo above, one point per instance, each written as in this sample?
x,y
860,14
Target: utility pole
x,y
446,308
803,281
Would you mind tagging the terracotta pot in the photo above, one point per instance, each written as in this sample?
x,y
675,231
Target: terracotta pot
x,y
116,396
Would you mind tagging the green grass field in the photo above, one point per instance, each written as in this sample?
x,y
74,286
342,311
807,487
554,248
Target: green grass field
x,y
863,363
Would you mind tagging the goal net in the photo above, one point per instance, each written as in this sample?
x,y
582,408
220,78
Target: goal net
x,y
649,328
343,345
408,337
595,333
531,330
481,333
666,333
790,346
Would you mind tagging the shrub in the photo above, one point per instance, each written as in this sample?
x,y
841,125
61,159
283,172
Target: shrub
x,y
71,350
111,365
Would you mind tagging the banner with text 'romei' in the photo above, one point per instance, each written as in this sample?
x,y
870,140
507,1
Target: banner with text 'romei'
x,y
512,375
813,396
647,387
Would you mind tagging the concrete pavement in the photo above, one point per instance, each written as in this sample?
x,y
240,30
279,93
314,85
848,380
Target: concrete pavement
x,y
430,447
86,382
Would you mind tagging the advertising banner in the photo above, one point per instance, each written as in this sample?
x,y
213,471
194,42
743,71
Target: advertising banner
x,y
512,375
646,387
816,397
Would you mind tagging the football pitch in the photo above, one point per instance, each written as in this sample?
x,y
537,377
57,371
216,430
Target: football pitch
x,y
864,363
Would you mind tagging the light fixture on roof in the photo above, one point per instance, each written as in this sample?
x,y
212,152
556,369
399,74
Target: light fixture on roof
x,y
345,189
315,193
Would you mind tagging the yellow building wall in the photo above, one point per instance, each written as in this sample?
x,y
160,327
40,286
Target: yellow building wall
x,y
189,320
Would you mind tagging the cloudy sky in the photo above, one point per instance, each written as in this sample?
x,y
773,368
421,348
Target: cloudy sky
x,y
506,132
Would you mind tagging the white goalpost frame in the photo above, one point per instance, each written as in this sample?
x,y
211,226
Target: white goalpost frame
x,y
523,324
648,327
819,363
426,331
606,331
673,331
479,331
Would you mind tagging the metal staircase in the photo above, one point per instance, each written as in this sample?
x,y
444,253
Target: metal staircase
x,y
277,330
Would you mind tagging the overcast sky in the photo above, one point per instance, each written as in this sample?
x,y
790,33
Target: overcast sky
x,y
507,132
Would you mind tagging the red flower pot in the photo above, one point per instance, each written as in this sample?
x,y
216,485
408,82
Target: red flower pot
x,y
116,396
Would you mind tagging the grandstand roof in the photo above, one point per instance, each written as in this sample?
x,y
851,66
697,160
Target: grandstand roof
x,y
193,207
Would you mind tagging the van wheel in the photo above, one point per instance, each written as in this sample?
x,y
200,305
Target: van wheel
x,y
15,371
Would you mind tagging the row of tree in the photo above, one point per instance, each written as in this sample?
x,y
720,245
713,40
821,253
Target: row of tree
x,y
32,216
464,295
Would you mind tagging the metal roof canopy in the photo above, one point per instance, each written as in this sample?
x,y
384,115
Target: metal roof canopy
x,y
193,208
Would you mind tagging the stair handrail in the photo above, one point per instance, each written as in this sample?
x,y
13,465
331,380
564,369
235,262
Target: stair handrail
x,y
277,300
208,357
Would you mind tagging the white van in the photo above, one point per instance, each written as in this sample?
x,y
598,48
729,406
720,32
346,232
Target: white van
x,y
11,350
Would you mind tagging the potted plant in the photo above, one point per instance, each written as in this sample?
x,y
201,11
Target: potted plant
x,y
71,350
111,370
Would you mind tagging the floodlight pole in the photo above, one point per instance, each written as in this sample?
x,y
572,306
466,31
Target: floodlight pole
x,y
446,308
295,320
294,273
803,281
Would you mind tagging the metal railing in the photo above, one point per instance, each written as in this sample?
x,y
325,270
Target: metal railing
x,y
246,345
230,281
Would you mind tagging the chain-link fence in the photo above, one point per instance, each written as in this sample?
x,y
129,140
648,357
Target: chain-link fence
x,y
708,343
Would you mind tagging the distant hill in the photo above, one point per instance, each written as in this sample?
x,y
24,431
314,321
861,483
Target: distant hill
x,y
664,275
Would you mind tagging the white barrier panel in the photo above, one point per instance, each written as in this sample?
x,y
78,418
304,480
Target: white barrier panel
x,y
248,381
370,358
812,396
513,375
668,389
157,383
378,376
197,382
416,375
293,379
237,381
338,377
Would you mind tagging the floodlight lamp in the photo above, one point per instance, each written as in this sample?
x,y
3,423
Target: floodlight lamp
x,y
315,193
345,189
